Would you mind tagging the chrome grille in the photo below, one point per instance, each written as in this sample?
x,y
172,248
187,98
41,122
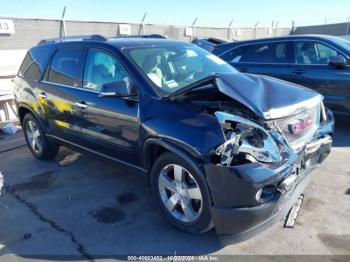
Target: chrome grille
x,y
298,139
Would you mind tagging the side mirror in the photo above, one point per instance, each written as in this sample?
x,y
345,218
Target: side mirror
x,y
115,89
337,61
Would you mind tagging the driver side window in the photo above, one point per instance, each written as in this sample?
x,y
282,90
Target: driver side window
x,y
102,68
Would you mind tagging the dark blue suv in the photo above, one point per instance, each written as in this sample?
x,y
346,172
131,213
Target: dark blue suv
x,y
319,62
221,149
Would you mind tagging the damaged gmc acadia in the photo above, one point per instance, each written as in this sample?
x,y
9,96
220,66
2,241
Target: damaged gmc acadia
x,y
222,149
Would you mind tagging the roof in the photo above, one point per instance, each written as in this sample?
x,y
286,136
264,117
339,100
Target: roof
x,y
118,42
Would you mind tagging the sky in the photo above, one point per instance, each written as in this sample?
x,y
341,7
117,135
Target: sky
x,y
217,13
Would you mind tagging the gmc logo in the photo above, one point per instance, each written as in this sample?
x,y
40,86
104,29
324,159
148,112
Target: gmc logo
x,y
297,126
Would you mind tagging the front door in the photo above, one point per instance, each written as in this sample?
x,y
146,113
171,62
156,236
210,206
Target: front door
x,y
311,69
109,125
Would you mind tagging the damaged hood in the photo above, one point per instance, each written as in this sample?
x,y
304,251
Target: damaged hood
x,y
267,97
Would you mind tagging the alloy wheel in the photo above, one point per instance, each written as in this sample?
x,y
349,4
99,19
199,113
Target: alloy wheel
x,y
34,137
180,193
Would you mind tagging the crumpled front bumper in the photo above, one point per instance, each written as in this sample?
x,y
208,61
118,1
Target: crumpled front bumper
x,y
239,212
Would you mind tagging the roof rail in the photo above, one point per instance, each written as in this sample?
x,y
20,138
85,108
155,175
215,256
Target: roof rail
x,y
73,38
140,36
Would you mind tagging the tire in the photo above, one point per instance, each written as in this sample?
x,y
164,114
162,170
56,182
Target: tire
x,y
190,213
37,142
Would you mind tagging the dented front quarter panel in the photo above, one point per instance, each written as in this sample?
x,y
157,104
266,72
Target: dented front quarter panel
x,y
184,124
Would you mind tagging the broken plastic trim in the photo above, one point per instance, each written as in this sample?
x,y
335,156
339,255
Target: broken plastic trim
x,y
294,212
263,150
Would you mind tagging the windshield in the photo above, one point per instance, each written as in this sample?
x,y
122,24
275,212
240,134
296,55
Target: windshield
x,y
171,68
342,42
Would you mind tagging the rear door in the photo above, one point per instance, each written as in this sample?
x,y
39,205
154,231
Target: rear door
x,y
58,91
271,59
108,125
310,69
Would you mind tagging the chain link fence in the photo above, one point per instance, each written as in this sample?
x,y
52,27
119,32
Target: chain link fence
x,y
29,32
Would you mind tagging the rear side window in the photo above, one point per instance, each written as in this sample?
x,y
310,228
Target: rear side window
x,y
27,61
66,67
261,53
30,68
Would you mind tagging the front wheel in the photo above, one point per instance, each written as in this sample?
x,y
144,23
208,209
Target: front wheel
x,y
182,194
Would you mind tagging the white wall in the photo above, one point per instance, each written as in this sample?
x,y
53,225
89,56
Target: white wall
x,y
10,61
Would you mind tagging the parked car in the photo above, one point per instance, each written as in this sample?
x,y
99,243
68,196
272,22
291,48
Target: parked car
x,y
319,62
208,43
218,149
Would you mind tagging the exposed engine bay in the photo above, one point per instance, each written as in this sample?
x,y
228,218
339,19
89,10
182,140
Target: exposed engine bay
x,y
251,138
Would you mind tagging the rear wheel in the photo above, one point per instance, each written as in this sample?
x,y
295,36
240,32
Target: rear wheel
x,y
36,140
181,193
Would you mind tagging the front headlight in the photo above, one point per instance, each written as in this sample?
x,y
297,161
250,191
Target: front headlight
x,y
245,137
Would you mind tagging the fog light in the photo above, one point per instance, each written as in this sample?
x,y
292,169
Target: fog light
x,y
265,194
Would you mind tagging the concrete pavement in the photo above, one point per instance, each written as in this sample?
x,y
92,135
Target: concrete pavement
x,y
90,209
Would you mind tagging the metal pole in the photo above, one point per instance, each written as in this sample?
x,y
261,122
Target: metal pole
x,y
64,22
229,30
254,36
143,23
293,27
347,26
276,28
193,26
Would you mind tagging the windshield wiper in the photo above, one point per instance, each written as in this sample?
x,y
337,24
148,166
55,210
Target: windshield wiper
x,y
194,85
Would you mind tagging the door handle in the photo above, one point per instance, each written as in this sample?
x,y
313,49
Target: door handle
x,y
81,105
298,72
43,95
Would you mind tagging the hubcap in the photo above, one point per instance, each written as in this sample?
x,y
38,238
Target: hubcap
x,y
34,137
180,193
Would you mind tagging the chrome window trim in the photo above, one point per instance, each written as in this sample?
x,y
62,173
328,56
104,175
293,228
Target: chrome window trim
x,y
279,41
73,87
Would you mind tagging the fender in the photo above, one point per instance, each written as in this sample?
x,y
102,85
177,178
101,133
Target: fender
x,y
26,106
184,151
181,152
